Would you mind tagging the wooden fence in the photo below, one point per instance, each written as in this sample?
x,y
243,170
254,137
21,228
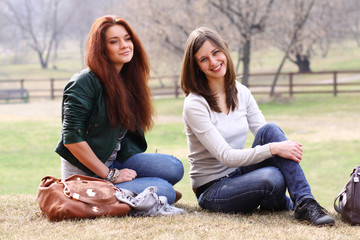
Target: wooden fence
x,y
330,82
291,83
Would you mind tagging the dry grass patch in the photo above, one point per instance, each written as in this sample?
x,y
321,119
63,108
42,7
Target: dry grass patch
x,y
317,129
20,220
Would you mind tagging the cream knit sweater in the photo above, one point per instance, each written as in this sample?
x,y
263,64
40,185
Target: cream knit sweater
x,y
216,140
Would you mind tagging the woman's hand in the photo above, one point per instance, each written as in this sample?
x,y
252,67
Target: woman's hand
x,y
126,175
86,156
287,149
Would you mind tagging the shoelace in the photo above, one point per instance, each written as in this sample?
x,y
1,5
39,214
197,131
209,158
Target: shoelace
x,y
316,210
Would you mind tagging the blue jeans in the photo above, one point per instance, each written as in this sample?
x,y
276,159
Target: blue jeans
x,y
298,186
245,192
153,169
261,184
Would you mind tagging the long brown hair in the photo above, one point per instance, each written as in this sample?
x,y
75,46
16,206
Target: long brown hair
x,y
127,95
195,81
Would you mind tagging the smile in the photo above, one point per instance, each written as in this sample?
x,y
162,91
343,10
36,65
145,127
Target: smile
x,y
125,53
218,68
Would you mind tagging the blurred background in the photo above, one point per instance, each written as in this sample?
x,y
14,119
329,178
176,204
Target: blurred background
x,y
42,40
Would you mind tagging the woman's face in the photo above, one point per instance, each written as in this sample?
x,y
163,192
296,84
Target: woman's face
x,y
119,46
211,61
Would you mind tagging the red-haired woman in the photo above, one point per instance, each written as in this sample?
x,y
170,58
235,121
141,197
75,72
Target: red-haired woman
x,y
105,111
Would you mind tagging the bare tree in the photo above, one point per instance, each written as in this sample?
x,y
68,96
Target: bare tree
x,y
300,11
87,11
165,28
39,24
166,25
350,18
249,18
318,31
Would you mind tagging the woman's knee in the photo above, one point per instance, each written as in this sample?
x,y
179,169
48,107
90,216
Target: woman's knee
x,y
271,127
268,133
155,165
174,169
273,178
167,190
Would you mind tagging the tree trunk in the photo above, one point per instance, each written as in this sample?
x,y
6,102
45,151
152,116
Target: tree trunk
x,y
82,57
298,27
239,59
272,92
246,62
43,63
303,63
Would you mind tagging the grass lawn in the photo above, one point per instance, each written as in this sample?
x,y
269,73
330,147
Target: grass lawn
x,y
327,127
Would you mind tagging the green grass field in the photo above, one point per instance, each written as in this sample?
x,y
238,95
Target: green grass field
x,y
328,128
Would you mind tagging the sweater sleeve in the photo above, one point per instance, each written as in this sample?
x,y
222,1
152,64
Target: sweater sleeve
x,y
255,117
197,117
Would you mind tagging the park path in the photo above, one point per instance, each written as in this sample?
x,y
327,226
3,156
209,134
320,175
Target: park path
x,y
33,110
342,79
49,110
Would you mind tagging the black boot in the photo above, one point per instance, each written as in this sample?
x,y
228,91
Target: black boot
x,y
311,211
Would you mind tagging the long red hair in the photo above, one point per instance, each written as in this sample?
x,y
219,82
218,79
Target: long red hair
x,y
127,95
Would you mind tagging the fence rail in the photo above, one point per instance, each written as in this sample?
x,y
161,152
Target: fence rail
x,y
339,82
325,82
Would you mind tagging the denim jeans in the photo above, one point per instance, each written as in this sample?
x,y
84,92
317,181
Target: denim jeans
x,y
153,169
263,184
239,192
298,186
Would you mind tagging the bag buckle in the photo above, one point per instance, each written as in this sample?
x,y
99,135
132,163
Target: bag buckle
x,y
356,179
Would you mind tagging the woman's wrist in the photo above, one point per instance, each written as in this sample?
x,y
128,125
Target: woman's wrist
x,y
273,148
112,175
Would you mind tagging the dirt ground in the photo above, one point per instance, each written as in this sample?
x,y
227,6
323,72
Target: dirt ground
x,y
33,110
47,110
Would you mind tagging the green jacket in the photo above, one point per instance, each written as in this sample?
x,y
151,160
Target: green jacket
x,y
84,118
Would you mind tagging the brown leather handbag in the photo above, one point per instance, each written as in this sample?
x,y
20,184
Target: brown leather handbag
x,y
347,202
79,197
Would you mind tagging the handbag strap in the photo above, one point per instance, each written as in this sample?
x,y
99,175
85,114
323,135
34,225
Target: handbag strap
x,y
95,201
337,206
354,174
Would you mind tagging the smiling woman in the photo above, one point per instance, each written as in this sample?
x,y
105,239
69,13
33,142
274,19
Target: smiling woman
x,y
119,46
105,111
212,61
218,114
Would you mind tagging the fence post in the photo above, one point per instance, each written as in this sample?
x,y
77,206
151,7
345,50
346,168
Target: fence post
x,y
52,90
335,84
291,84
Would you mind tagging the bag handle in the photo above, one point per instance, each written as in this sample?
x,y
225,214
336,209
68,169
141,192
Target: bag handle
x,y
355,173
78,197
337,206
